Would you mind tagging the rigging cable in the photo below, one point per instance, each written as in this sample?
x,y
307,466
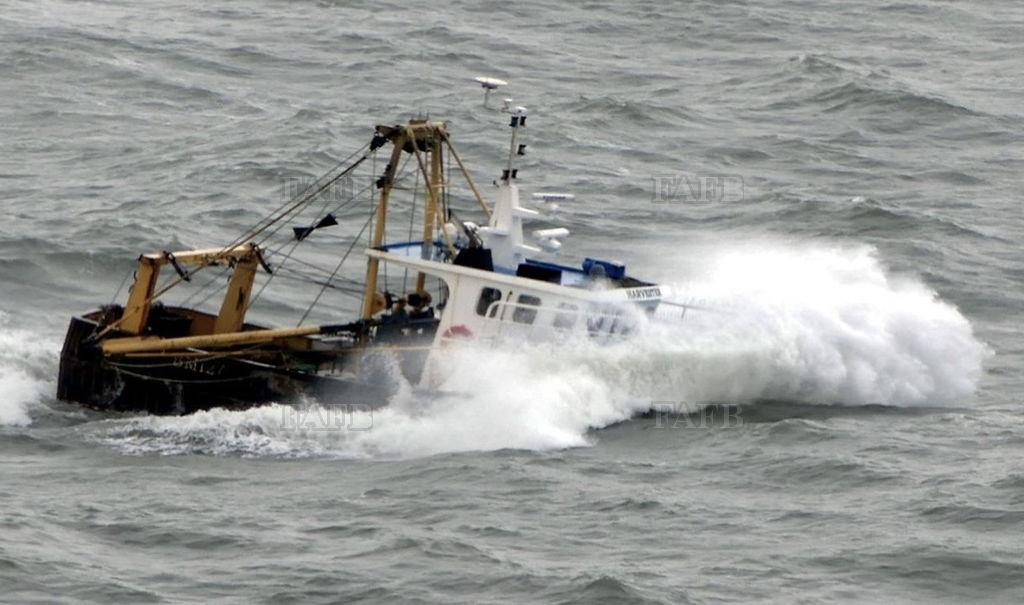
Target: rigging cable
x,y
294,244
412,220
282,211
337,267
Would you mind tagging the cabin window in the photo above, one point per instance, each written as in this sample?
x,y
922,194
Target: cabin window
x,y
608,320
488,296
600,318
566,316
526,309
620,325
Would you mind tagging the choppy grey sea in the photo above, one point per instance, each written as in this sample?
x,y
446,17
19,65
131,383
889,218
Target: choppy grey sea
x,y
839,183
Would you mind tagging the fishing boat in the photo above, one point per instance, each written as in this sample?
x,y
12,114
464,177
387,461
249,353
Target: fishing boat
x,y
465,283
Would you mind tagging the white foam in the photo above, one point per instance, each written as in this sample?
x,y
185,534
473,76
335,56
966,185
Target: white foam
x,y
814,324
26,363
17,390
827,325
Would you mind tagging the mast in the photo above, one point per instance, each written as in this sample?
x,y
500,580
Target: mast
x,y
430,216
504,231
413,137
372,303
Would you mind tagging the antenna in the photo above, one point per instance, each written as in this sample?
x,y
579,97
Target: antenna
x,y
489,85
518,120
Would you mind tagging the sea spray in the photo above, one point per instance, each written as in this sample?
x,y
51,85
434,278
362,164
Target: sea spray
x,y
822,324
816,324
27,364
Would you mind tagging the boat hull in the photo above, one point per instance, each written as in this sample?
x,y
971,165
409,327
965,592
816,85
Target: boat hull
x,y
187,383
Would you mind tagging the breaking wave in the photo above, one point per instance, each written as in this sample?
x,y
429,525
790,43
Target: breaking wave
x,y
825,324
25,370
811,324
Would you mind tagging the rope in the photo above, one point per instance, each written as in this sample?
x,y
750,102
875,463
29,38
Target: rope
x,y
120,287
202,289
294,244
412,220
282,212
199,357
336,269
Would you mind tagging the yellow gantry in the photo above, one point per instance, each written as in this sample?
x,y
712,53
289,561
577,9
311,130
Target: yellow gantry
x,y
245,259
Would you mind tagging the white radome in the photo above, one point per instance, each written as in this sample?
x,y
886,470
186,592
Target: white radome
x,y
490,83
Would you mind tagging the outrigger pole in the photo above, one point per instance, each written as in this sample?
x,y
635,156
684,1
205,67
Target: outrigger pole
x,y
157,344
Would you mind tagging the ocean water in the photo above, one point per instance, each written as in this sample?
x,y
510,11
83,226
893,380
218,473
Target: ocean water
x,y
838,183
